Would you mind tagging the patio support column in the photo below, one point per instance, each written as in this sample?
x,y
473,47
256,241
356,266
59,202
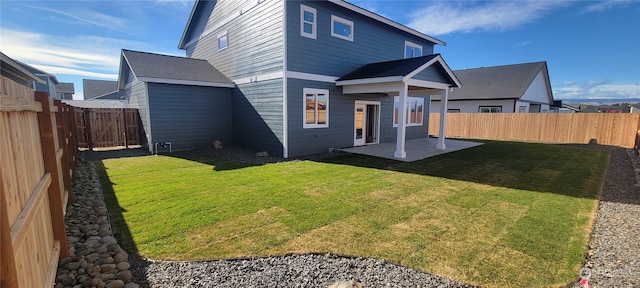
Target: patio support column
x,y
443,117
402,123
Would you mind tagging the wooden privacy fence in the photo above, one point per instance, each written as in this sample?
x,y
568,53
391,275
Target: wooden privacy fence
x,y
107,127
38,153
606,128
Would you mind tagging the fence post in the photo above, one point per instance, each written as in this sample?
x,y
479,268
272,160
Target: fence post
x,y
87,125
63,139
48,133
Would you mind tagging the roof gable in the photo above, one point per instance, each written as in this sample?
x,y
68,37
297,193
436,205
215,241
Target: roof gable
x,y
150,67
93,88
399,70
194,26
497,82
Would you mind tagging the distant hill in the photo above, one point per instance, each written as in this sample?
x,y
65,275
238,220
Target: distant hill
x,y
598,102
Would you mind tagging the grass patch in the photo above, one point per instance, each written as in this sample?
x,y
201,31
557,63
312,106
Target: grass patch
x,y
501,214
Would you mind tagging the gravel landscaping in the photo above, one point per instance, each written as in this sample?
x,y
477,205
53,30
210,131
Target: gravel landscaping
x,y
95,261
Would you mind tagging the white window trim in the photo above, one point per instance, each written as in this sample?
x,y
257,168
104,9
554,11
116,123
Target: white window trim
x,y
306,91
412,45
489,107
226,35
396,99
313,34
334,19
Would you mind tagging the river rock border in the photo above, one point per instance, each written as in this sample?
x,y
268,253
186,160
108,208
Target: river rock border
x,y
95,258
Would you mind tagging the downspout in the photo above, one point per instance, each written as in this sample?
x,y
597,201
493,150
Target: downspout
x,y
285,117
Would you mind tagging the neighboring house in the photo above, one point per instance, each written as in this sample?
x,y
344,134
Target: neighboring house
x,y
48,83
288,77
560,107
101,90
16,71
65,91
517,88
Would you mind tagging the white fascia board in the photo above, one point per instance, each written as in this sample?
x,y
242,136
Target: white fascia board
x,y
427,84
370,81
311,77
124,60
181,45
387,21
388,87
186,82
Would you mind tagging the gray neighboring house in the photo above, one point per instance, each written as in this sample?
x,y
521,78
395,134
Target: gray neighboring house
x,y
17,72
290,78
48,83
180,100
101,90
516,88
65,91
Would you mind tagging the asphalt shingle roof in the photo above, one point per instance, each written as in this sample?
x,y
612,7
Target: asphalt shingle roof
x,y
150,65
93,88
65,88
388,69
498,82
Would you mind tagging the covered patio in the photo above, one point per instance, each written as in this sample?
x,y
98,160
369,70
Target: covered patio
x,y
416,149
420,76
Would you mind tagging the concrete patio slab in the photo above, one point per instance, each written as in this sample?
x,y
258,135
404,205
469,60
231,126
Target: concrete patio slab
x,y
417,149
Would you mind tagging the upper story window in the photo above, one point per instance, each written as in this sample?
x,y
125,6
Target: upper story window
x,y
308,20
412,50
490,109
341,28
414,113
223,41
316,108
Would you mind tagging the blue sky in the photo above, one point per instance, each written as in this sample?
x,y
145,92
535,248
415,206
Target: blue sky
x,y
592,48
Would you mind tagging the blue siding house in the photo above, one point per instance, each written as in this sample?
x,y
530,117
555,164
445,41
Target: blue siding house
x,y
306,75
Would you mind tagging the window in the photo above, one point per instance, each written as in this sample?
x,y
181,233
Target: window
x,y
453,110
316,108
412,50
223,42
414,113
308,21
490,109
341,28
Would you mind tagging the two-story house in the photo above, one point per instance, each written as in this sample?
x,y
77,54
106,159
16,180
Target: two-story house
x,y
289,77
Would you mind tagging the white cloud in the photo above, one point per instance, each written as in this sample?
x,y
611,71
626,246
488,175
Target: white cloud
x,y
596,90
80,55
440,18
605,5
90,17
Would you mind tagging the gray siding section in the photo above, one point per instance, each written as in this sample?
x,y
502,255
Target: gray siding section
x,y
258,116
255,38
340,132
433,73
190,116
328,55
137,98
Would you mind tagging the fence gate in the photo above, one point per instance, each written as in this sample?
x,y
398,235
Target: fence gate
x,y
107,127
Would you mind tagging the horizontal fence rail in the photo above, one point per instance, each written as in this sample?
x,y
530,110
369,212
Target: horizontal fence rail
x,y
605,128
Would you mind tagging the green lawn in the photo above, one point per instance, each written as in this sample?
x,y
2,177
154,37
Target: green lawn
x,y
501,214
